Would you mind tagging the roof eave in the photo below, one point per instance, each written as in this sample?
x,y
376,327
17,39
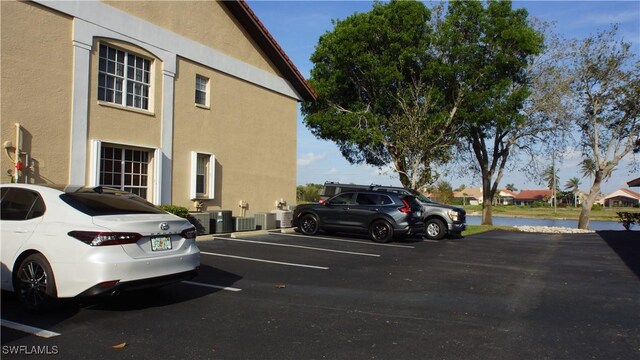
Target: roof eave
x,y
249,20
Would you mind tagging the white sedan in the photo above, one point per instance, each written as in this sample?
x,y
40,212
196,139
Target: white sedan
x,y
62,242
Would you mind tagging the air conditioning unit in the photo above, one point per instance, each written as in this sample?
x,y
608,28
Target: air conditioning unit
x,y
245,223
221,221
265,221
201,222
283,218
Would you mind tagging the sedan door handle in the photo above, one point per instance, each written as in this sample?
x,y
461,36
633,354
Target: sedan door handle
x,y
21,231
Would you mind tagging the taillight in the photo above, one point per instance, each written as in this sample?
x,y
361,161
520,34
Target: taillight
x,y
103,238
189,233
406,208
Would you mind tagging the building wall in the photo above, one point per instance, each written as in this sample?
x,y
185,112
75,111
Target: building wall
x,y
250,125
206,22
250,130
35,92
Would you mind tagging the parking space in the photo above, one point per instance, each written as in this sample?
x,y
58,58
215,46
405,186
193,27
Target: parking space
x,y
274,296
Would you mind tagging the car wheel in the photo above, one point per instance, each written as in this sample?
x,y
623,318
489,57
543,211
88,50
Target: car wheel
x,y
34,283
381,231
435,229
309,224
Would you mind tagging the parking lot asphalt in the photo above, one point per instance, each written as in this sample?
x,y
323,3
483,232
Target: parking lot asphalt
x,y
497,295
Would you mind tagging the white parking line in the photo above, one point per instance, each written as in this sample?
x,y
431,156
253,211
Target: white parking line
x,y
211,286
298,246
28,329
266,261
343,240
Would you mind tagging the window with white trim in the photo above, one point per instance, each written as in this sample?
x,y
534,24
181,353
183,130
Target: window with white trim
x,y
123,78
125,169
202,175
202,87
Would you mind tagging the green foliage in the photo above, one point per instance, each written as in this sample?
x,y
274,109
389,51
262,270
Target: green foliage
x,y
628,219
443,192
596,207
379,93
537,204
308,193
183,212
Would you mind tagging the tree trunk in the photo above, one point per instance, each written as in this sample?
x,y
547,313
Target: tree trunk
x,y
487,206
585,213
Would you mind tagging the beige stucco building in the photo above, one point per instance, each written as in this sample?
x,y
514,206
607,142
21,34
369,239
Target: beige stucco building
x,y
176,101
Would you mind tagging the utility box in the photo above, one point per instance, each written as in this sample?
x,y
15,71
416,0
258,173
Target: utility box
x,y
265,221
201,222
221,221
283,218
245,223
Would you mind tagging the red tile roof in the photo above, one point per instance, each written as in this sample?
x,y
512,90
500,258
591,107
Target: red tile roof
x,y
249,20
533,194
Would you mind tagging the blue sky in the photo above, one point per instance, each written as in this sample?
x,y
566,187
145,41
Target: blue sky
x,y
297,26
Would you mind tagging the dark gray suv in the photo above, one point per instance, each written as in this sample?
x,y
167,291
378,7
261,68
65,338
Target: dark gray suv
x,y
383,215
439,219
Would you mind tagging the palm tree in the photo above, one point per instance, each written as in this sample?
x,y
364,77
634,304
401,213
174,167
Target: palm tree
x,y
587,167
511,188
573,184
548,176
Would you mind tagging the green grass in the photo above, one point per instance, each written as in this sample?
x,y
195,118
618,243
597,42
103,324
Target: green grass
x,y
569,213
477,229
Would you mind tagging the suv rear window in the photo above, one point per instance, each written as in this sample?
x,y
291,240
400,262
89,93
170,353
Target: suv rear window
x,y
109,203
373,199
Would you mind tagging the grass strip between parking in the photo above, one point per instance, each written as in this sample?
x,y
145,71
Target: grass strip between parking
x,y
265,261
343,240
298,247
28,329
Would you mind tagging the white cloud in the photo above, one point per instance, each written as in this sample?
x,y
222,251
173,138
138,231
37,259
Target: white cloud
x,y
310,158
332,171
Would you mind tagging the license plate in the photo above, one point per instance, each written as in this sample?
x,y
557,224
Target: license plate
x,y
160,243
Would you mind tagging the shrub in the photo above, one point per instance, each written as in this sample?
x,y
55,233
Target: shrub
x,y
628,219
537,204
596,207
183,212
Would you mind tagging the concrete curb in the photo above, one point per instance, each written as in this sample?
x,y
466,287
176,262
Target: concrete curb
x,y
242,234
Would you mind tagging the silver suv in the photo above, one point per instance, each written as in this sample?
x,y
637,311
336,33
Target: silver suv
x,y
439,219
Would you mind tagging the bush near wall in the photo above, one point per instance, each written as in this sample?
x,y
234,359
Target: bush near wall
x,y
628,219
183,212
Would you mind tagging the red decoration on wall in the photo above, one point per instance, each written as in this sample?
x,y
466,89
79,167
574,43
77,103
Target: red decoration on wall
x,y
19,166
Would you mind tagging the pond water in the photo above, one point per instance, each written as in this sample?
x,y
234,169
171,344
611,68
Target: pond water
x,y
508,221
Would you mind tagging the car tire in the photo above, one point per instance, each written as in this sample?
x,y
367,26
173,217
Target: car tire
x,y
435,229
309,224
381,231
35,284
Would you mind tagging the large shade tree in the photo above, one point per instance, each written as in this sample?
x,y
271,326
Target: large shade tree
x,y
491,49
381,96
607,88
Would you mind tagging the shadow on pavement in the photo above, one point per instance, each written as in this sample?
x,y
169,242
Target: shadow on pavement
x,y
627,245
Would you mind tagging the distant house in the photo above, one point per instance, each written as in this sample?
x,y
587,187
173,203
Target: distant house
x,y
473,196
528,197
469,196
506,197
621,198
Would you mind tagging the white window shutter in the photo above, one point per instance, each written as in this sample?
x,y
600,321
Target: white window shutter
x,y
194,167
212,177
